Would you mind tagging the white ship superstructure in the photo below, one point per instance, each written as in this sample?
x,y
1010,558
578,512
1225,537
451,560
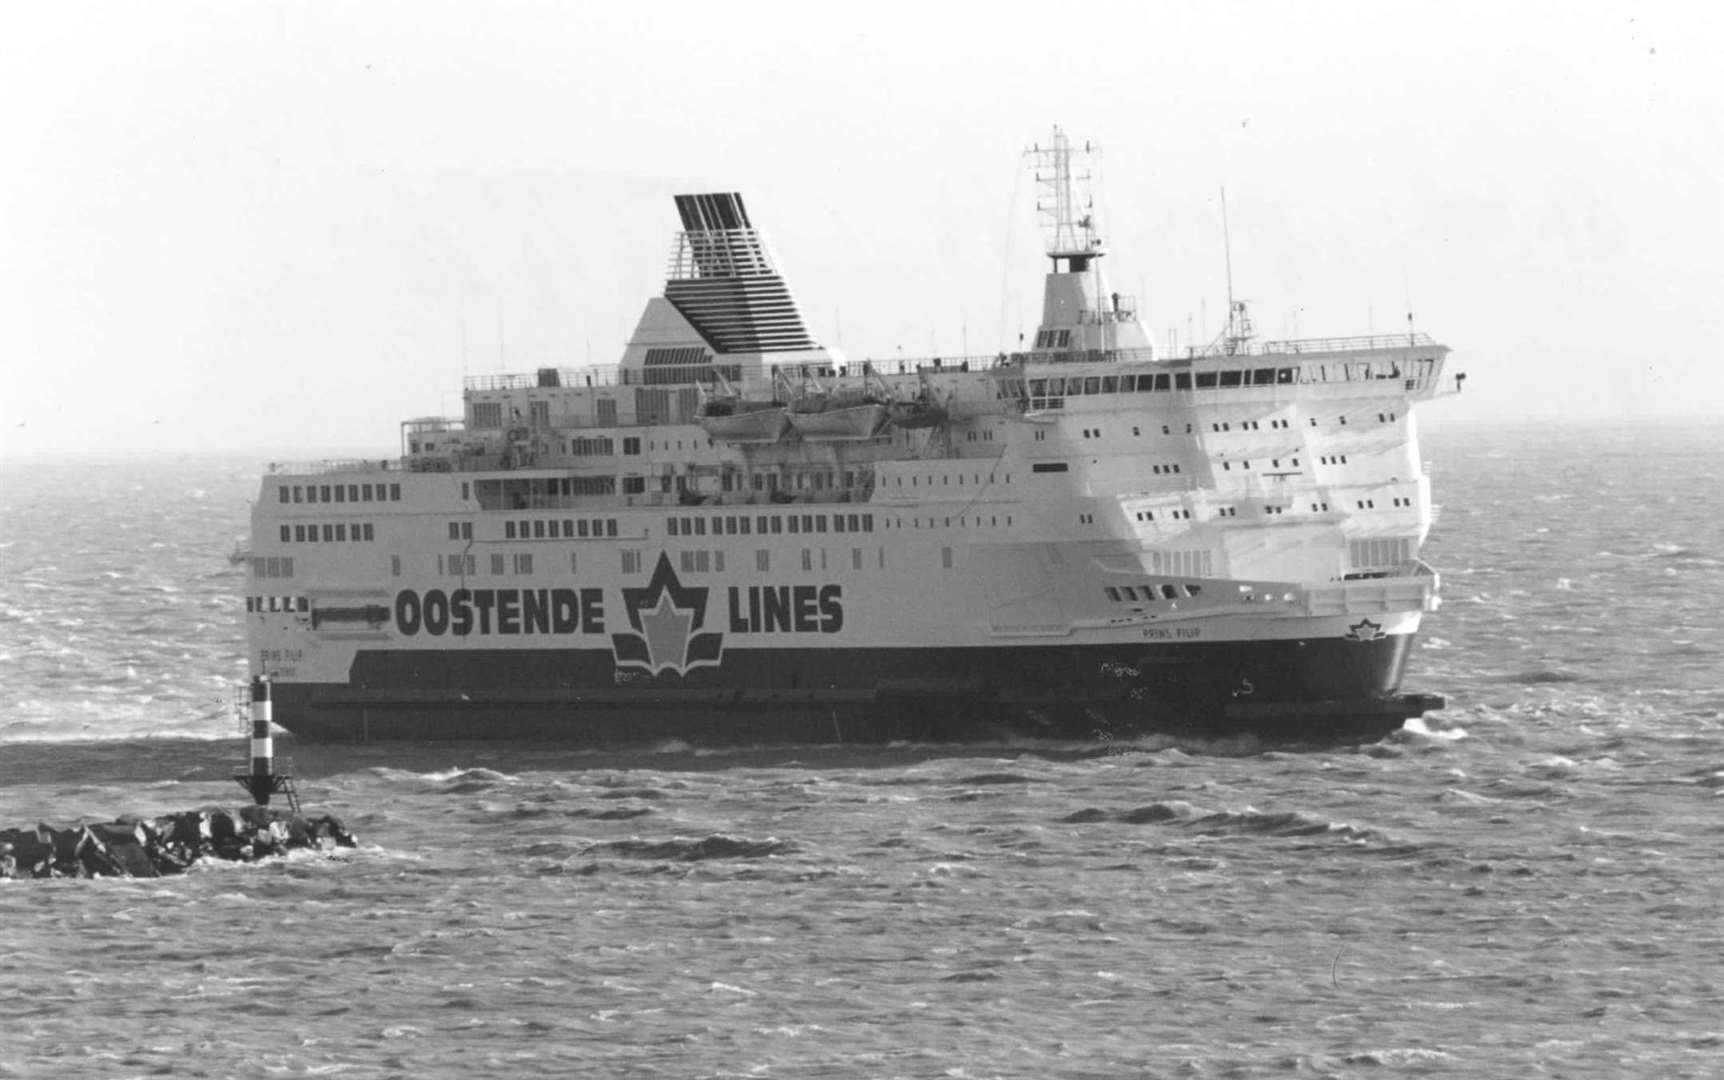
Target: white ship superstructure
x,y
737,535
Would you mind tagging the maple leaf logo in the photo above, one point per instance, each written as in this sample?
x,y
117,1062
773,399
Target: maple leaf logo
x,y
666,618
1364,630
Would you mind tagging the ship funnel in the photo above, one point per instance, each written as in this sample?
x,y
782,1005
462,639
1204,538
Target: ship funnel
x,y
723,279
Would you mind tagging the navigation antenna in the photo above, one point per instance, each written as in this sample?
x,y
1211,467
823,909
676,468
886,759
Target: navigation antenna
x,y
1068,217
1239,329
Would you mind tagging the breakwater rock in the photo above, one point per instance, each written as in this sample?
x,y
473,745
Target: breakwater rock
x,y
154,847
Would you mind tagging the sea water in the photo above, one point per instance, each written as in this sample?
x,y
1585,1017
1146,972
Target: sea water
x,y
1526,883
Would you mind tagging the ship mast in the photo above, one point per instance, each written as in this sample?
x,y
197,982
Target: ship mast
x,y
1067,217
1239,330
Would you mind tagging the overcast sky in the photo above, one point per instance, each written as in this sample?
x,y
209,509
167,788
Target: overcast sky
x,y
272,225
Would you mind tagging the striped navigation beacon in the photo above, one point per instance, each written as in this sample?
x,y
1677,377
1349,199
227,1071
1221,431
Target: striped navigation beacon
x,y
260,776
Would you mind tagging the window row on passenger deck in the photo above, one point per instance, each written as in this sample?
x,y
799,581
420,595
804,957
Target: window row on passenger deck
x,y
548,529
1147,591
337,532
277,603
766,524
338,493
1151,382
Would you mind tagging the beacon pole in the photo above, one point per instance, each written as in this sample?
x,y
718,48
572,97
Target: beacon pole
x,y
261,779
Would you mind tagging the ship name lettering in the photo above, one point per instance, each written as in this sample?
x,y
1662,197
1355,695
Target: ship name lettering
x,y
789,609
462,612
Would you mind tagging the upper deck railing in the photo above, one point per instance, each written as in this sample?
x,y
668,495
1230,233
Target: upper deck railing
x,y
334,465
590,375
1357,343
1243,349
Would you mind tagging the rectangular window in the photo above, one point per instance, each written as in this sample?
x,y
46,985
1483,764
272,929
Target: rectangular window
x,y
286,533
762,560
1048,466
820,523
366,489
855,558
283,492
523,562
687,562
538,530
454,530
297,491
807,559
631,561
341,493
394,492
497,564
323,493
794,523
311,493
946,558
368,530
610,526
508,530
341,531
395,566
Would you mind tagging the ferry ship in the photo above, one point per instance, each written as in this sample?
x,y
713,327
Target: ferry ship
x,y
737,536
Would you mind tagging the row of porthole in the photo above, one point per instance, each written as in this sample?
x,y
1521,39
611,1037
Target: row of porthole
x,y
1177,515
963,522
946,479
1225,511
